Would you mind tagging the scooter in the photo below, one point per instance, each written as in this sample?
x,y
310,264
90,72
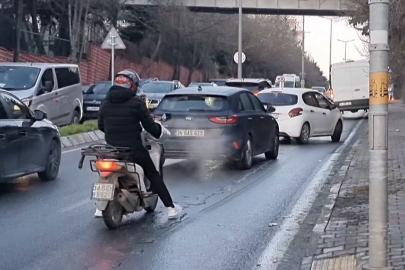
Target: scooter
x,y
122,187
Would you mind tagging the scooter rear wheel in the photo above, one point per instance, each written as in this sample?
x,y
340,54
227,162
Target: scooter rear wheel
x,y
152,207
112,215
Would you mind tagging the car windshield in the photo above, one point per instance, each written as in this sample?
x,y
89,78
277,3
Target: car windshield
x,y
245,85
99,89
18,78
278,99
157,87
200,84
190,103
220,83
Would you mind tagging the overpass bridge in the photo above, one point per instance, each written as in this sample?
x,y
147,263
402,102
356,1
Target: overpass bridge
x,y
286,7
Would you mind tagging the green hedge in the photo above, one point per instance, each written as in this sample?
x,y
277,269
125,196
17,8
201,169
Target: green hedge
x,y
76,129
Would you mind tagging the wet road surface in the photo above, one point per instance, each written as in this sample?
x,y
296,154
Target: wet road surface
x,y
50,225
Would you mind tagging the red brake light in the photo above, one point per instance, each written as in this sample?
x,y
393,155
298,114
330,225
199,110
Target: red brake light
x,y
295,112
103,166
224,119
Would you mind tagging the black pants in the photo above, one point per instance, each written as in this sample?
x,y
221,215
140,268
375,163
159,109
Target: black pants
x,y
142,158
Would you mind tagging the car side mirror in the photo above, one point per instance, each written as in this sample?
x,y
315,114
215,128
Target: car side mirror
x,y
269,108
40,115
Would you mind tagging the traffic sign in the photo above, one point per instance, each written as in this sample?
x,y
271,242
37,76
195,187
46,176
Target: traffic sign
x,y
113,39
236,57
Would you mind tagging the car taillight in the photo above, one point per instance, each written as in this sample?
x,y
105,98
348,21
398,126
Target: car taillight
x,y
224,119
107,166
295,112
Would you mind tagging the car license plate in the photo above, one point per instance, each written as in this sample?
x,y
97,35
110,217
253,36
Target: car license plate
x,y
189,133
104,192
93,109
345,104
275,115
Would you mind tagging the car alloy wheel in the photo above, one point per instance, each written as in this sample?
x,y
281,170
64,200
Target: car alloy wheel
x,y
305,134
249,154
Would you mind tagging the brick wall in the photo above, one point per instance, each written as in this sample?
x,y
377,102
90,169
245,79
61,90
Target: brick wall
x,y
97,66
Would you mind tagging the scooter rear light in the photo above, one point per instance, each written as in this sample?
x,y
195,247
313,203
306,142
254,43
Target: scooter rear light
x,y
233,119
107,166
295,112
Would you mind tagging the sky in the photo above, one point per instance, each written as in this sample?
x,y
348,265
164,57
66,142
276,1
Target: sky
x,y
317,41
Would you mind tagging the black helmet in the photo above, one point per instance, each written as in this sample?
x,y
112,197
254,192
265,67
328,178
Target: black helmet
x,y
127,78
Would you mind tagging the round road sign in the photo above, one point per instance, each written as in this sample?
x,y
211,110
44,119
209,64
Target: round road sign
x,y
236,57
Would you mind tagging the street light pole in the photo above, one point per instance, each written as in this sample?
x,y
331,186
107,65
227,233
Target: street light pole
x,y
303,52
240,42
330,51
378,135
345,42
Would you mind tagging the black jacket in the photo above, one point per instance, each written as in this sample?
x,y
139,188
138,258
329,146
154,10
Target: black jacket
x,y
120,118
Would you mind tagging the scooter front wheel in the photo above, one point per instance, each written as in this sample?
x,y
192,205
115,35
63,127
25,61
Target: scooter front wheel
x,y
112,215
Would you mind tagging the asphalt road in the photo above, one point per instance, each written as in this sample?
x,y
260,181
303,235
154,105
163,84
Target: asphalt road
x,y
225,225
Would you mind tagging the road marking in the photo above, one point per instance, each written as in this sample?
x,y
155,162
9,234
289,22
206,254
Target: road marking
x,y
275,250
71,150
75,206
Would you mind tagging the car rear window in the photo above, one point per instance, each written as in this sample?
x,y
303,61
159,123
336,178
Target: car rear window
x,y
190,103
278,99
245,85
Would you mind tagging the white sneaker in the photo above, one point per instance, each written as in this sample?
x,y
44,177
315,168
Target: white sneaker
x,y
98,213
174,212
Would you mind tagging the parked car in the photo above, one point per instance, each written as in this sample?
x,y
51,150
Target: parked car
x,y
304,113
196,84
29,143
53,88
253,85
218,82
154,91
218,123
143,81
92,99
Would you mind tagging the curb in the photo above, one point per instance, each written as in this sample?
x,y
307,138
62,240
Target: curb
x,y
326,214
81,139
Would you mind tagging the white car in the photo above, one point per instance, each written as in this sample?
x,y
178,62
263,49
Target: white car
x,y
303,113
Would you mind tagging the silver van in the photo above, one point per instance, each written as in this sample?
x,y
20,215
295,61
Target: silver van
x,y
53,88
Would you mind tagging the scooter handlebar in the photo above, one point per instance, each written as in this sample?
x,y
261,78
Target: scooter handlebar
x,y
163,135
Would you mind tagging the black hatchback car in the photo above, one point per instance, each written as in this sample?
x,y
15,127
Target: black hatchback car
x,y
218,123
92,99
29,143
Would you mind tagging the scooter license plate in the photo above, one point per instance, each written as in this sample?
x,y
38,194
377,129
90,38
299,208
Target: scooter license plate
x,y
103,192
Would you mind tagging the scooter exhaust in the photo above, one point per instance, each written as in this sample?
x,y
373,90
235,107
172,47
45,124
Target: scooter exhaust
x,y
125,203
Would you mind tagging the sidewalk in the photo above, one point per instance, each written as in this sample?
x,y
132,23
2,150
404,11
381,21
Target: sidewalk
x,y
343,244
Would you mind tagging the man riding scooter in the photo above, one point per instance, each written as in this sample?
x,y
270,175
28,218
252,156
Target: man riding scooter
x,y
120,118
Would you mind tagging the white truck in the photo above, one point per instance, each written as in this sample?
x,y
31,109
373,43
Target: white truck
x,y
350,84
288,81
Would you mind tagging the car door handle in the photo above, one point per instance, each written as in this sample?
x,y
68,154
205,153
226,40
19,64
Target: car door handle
x,y
2,136
324,113
356,89
23,133
56,93
312,111
250,118
262,117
